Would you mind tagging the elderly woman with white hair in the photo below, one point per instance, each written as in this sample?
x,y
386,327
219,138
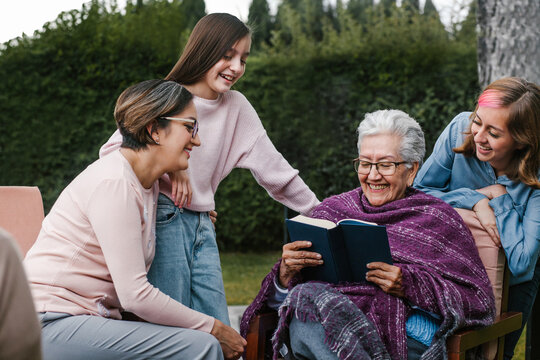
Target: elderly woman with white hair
x,y
436,284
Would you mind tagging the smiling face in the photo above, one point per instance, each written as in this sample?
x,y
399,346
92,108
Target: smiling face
x,y
176,142
380,189
226,72
493,141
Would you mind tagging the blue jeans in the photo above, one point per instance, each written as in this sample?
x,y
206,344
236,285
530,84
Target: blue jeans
x,y
521,298
186,265
91,337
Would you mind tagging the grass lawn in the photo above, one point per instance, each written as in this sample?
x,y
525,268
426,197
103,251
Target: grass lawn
x,y
243,273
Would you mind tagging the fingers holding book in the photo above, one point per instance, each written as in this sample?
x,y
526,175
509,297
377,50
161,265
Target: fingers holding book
x,y
295,257
387,277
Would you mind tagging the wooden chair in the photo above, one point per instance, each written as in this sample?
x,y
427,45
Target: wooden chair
x,y
458,344
21,214
262,327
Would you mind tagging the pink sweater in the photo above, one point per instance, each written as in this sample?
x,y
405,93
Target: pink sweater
x,y
232,136
96,246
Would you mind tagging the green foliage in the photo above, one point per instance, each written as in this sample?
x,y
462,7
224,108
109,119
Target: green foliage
x,y
193,10
311,86
58,89
260,21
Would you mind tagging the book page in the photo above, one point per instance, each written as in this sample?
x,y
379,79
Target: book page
x,y
322,223
352,221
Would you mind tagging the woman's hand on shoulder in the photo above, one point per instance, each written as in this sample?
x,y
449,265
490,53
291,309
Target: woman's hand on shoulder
x,y
181,188
213,216
231,342
493,191
294,258
487,219
387,277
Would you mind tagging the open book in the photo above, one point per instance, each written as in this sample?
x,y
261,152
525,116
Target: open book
x,y
346,247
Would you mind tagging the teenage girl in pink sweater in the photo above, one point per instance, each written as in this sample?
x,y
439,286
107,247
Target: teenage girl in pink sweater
x,y
187,265
92,255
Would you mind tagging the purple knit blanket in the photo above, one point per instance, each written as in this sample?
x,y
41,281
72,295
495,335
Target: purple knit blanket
x,y
441,273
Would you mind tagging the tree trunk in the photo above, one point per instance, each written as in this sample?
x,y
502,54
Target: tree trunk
x,y
509,40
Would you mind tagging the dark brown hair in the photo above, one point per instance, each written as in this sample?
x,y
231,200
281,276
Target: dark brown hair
x,y
145,103
210,40
522,98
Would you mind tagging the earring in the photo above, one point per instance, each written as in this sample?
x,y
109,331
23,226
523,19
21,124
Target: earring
x,y
157,140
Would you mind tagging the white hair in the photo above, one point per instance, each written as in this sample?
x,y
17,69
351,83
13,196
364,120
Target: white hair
x,y
413,144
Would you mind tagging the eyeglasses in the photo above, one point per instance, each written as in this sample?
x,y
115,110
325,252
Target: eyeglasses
x,y
383,168
192,129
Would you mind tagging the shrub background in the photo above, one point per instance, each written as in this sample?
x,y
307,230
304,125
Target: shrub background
x,y
58,91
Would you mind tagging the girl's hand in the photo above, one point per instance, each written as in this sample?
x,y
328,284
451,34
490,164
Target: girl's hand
x,y
294,259
231,342
387,277
486,216
493,191
181,188
213,216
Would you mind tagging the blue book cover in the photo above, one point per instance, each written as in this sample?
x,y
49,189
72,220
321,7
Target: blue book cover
x,y
346,247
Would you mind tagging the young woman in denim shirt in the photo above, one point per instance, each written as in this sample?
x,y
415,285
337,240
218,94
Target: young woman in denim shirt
x,y
488,161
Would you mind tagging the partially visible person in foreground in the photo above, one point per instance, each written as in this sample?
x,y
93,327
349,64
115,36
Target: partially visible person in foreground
x,y
488,162
436,285
20,333
187,265
91,258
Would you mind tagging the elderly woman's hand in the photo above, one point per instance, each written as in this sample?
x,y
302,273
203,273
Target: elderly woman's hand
x,y
294,259
387,277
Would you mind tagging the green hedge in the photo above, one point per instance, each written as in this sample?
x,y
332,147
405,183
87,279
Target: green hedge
x,y
58,91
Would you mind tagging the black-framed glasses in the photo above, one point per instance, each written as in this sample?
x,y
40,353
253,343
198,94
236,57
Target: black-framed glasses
x,y
383,167
192,129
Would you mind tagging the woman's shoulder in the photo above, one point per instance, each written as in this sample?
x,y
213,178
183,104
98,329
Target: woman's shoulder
x,y
461,121
351,195
419,199
235,97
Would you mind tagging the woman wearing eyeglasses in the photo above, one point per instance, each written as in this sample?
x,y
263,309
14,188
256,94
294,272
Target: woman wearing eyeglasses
x,y
187,265
406,310
91,258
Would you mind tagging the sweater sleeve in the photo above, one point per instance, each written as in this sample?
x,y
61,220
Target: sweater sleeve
x,y
112,144
520,235
277,176
115,216
435,174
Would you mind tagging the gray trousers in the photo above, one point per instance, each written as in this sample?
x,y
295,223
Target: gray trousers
x,y
93,337
307,342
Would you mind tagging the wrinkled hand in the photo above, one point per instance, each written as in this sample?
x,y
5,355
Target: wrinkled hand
x,y
181,188
213,216
387,277
493,191
232,344
295,259
487,219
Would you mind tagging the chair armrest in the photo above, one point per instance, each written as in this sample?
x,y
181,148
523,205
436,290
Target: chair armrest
x,y
467,339
259,335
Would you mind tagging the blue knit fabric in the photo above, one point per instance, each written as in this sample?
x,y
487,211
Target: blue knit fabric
x,y
421,327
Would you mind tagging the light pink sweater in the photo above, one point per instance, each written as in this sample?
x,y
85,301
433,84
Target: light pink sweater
x,y
96,246
232,136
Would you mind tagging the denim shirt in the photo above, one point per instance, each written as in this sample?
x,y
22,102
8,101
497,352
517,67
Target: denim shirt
x,y
453,178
